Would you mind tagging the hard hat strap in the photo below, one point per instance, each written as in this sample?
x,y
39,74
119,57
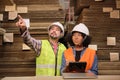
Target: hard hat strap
x,y
84,38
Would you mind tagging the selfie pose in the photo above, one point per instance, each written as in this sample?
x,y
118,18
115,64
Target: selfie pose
x,y
79,51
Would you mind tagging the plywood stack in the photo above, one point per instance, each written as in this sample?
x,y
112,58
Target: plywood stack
x,y
14,61
102,26
80,4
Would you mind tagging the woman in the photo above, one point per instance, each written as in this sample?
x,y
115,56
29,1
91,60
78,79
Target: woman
x,y
79,51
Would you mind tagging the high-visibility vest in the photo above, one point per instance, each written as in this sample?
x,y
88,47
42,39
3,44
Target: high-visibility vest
x,y
45,63
88,56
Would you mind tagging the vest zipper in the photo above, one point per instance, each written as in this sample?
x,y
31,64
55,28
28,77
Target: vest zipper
x,y
56,55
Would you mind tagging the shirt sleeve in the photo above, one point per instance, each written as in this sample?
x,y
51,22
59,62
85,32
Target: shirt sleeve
x,y
63,64
94,68
31,42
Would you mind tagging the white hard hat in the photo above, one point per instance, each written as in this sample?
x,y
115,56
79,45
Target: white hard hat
x,y
57,24
81,28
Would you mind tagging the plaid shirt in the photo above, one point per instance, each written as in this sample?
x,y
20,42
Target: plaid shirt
x,y
31,42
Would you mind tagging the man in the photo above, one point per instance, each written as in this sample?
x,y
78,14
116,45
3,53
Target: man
x,y
79,51
48,61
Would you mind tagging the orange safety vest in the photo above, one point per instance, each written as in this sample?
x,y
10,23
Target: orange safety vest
x,y
88,56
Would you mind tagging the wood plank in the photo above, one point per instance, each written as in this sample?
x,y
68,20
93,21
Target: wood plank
x,y
11,74
115,14
18,58
21,2
12,15
8,37
104,3
104,54
43,25
49,19
101,24
1,39
104,65
43,7
114,56
109,72
104,24
22,9
98,0
100,6
17,63
6,2
43,2
107,9
2,8
1,17
10,7
20,65
118,4
79,5
45,14
17,71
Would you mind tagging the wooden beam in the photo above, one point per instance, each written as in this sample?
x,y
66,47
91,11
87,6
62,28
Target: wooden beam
x,y
10,7
6,2
114,56
12,15
8,37
1,17
118,4
107,9
115,14
1,37
98,0
22,9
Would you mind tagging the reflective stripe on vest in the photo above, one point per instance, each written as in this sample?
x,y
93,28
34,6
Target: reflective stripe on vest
x,y
45,63
88,56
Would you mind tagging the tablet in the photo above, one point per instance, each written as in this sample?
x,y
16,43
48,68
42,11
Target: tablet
x,y
77,67
76,70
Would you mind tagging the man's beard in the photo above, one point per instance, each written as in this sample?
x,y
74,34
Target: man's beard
x,y
52,37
